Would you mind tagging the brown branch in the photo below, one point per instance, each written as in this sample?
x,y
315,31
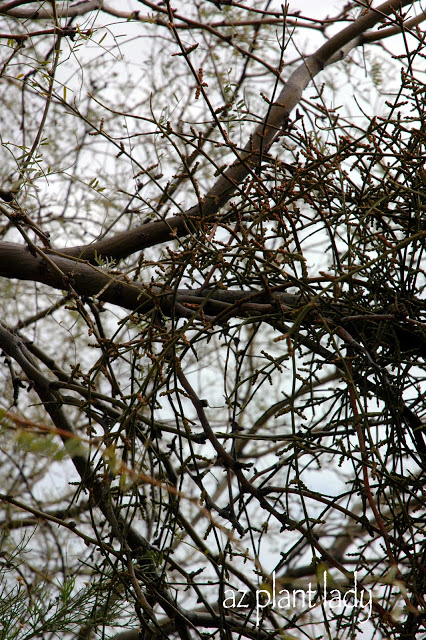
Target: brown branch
x,y
16,261
381,34
21,37
266,133
57,518
335,49
126,243
13,10
59,272
153,233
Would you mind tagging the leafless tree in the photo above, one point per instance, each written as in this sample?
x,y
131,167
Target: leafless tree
x,y
213,331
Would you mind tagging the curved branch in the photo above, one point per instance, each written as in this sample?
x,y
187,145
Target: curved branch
x,y
61,272
13,10
276,118
126,243
376,36
335,49
16,261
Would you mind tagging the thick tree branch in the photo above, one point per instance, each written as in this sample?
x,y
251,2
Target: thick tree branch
x,y
16,261
335,49
43,11
126,243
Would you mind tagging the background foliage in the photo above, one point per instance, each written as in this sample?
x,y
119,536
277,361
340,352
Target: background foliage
x,y
213,327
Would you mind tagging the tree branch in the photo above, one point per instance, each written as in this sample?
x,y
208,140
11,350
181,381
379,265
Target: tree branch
x,y
14,10
153,233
